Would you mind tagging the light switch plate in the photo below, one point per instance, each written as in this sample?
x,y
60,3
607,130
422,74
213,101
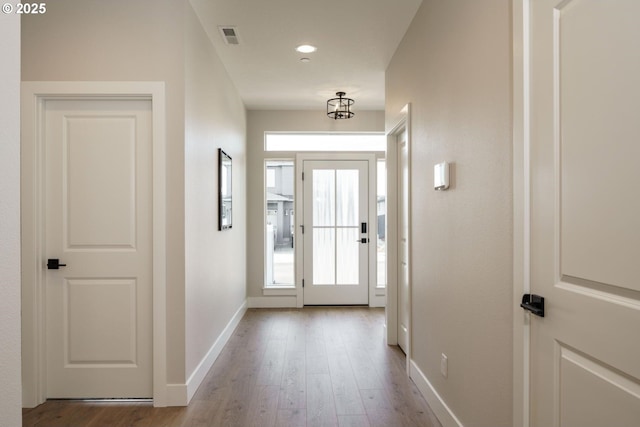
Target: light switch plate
x,y
441,176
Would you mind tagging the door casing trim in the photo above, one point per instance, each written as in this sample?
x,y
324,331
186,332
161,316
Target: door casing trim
x,y
521,42
33,98
402,123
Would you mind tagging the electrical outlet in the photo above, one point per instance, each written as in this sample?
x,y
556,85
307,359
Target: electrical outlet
x,y
444,365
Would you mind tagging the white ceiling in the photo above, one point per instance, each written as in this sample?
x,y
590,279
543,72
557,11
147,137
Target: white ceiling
x,y
355,39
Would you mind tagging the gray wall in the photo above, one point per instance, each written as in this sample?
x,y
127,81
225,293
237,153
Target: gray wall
x,y
454,67
10,381
215,261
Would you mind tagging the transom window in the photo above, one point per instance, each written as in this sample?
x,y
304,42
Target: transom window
x,y
278,141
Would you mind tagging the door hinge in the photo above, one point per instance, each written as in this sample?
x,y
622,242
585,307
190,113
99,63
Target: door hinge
x,y
303,283
303,176
302,226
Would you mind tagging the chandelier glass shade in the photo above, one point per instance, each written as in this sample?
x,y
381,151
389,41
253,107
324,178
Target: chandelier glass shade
x,y
340,107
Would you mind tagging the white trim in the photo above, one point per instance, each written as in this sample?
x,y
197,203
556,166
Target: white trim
x,y
299,237
177,395
378,301
401,124
372,196
521,208
391,311
379,298
288,291
34,95
272,302
444,414
206,363
158,105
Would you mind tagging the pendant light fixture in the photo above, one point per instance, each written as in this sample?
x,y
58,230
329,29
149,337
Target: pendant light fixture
x,y
340,107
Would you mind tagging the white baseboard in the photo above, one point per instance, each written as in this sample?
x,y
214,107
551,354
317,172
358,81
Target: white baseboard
x,y
177,395
291,301
443,412
205,364
272,302
377,301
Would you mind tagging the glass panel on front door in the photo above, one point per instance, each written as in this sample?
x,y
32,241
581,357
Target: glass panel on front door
x,y
335,209
335,239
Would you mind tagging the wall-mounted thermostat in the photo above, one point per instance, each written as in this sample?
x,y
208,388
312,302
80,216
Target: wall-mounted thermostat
x,y
441,176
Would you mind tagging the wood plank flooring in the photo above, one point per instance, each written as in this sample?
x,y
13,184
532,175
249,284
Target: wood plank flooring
x,y
316,366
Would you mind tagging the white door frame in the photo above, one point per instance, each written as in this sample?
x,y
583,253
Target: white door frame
x,y
373,220
521,208
401,124
34,96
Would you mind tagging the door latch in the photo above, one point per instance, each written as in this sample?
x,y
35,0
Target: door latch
x,y
533,303
54,264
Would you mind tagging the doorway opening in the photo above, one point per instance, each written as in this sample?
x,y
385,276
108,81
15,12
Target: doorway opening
x,y
292,239
89,107
398,234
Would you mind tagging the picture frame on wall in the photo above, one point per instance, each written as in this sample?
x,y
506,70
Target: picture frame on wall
x,y
225,193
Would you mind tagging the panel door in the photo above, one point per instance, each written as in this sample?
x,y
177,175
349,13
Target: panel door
x,y
403,244
99,223
585,212
335,242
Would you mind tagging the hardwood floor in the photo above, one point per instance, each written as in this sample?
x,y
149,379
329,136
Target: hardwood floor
x,y
316,366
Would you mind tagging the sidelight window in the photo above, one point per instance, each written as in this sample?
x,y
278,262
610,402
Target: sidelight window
x,y
280,224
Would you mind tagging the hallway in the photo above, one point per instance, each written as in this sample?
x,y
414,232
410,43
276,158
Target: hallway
x,y
315,366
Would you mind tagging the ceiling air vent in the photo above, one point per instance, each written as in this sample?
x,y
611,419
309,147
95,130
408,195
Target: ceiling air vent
x,y
230,35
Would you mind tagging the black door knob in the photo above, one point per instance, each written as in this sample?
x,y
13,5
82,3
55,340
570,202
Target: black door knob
x,y
54,264
533,303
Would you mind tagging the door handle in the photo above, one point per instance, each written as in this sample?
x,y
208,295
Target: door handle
x,y
54,264
533,303
363,240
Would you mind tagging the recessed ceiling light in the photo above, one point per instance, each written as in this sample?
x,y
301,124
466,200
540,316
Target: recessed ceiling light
x,y
305,59
306,48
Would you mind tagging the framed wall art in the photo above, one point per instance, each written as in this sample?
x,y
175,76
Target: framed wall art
x,y
225,196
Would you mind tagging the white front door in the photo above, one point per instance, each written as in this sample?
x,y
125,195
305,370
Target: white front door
x,y
336,232
585,212
99,223
403,243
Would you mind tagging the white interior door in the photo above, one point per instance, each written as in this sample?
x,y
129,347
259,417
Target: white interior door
x,y
336,243
585,212
99,223
403,244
